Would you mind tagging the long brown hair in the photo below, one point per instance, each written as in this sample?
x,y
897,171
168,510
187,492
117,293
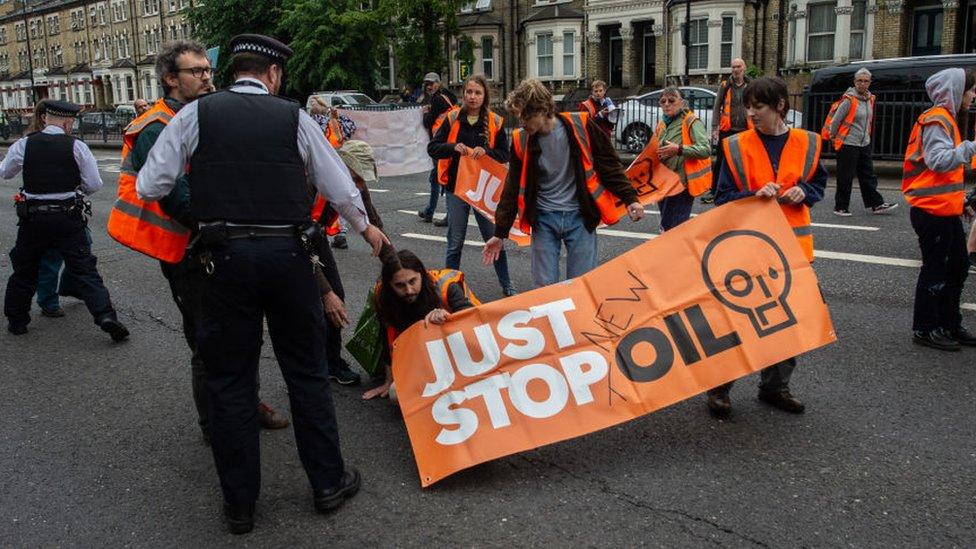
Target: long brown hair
x,y
36,123
485,110
391,310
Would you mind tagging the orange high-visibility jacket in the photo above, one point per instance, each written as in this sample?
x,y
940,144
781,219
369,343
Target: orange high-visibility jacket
x,y
751,169
443,278
611,209
938,193
845,125
698,171
140,225
453,119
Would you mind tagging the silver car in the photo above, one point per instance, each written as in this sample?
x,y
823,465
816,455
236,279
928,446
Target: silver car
x,y
637,117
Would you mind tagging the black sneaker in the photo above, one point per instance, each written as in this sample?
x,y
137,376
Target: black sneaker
x,y
339,242
883,208
114,328
842,213
343,374
330,499
17,329
240,518
962,336
425,217
56,312
935,339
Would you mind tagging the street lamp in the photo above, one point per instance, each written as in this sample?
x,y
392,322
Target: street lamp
x,y
30,54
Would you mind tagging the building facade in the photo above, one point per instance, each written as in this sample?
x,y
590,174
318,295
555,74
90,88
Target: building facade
x,y
95,53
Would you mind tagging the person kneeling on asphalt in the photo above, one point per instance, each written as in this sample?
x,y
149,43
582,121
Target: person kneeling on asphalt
x,y
408,293
771,161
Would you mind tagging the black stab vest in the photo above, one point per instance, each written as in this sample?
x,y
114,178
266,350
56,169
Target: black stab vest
x,y
246,167
49,164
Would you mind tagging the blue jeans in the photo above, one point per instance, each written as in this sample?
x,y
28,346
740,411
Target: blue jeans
x,y
48,274
676,209
550,231
435,191
457,228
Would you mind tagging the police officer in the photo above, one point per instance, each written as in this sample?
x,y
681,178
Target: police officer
x,y
59,171
252,156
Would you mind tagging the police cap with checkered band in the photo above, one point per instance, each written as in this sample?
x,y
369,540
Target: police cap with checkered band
x,y
261,45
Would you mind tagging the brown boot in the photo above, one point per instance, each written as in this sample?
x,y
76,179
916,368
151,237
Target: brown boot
x,y
271,419
719,405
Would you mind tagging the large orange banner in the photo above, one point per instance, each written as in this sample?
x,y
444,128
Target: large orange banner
x,y
652,180
718,297
480,183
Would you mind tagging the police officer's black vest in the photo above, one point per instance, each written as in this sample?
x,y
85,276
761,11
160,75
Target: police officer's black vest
x,y
246,167
49,164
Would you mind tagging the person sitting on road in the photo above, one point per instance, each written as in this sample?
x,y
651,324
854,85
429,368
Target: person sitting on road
x,y
408,293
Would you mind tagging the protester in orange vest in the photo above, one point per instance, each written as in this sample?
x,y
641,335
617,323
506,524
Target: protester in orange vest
x,y
849,131
184,72
475,131
933,186
598,105
684,148
564,178
772,161
728,115
408,293
437,101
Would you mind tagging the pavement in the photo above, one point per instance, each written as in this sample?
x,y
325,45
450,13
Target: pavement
x,y
99,444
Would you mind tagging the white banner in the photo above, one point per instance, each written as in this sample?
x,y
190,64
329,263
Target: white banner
x,y
398,138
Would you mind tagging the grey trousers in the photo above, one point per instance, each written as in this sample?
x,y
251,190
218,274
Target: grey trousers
x,y
772,379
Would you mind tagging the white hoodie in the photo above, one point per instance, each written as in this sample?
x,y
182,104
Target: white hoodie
x,y
946,89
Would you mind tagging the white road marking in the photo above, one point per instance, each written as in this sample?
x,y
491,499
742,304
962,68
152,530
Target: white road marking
x,y
968,306
379,190
435,238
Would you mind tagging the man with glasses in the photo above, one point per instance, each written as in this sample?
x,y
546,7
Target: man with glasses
x,y
164,230
849,131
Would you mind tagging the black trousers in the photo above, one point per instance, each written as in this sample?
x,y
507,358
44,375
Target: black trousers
x,y
186,280
64,232
945,265
333,333
254,279
853,161
772,378
676,209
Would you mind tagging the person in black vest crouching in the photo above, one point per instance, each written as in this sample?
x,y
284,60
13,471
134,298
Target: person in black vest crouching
x,y
59,171
249,189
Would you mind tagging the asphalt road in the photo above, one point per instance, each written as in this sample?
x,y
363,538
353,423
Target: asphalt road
x,y
99,444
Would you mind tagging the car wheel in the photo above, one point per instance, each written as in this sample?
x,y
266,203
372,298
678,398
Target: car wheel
x,y
636,137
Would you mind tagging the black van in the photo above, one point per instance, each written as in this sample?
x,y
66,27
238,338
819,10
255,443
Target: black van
x,y
899,85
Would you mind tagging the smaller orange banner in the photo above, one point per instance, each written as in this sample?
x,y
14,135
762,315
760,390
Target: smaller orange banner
x,y
480,183
651,178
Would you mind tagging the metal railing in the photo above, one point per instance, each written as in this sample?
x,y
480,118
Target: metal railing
x,y
91,127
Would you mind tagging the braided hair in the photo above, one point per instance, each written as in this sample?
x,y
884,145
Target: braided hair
x,y
485,110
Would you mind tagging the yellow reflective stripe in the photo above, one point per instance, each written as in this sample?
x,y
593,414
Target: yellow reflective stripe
x,y
735,151
916,170
157,117
804,230
150,217
936,190
577,121
699,173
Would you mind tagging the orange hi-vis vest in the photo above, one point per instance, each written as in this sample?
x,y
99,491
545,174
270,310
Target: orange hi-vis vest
x,y
333,132
845,125
454,120
725,121
443,278
331,223
141,225
610,207
938,193
442,118
746,157
698,171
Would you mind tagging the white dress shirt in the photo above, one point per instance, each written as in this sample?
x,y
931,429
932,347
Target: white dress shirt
x,y
177,143
87,165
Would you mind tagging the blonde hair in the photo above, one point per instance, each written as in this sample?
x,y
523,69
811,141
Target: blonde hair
x,y
598,83
675,91
529,98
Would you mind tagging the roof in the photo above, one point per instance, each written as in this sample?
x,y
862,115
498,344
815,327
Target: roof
x,y
148,60
480,19
56,71
123,64
80,67
557,11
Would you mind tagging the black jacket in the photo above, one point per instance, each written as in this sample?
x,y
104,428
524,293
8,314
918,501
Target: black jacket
x,y
472,136
442,100
605,162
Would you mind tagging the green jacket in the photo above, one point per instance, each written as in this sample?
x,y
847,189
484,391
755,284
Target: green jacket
x,y
702,147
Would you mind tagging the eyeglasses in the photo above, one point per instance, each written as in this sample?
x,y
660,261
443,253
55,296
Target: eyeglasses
x,y
862,81
197,72
667,100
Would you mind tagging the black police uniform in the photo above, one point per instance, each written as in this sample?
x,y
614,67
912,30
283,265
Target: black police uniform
x,y
50,168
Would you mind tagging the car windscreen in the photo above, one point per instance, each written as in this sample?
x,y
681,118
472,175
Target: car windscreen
x,y
360,99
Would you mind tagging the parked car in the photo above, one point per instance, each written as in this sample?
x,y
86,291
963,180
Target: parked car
x,y
106,123
341,98
637,117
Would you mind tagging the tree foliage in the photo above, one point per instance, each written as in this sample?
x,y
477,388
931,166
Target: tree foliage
x,y
338,43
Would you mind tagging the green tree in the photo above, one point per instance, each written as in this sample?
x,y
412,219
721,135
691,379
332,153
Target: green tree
x,y
215,22
336,43
418,32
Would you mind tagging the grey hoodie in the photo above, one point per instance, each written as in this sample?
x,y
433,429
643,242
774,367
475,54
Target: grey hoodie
x,y
945,88
858,136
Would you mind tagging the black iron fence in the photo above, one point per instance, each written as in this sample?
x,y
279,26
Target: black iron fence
x,y
91,127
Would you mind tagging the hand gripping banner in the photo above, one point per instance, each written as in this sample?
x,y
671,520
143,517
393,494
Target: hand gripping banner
x,y
652,180
719,297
